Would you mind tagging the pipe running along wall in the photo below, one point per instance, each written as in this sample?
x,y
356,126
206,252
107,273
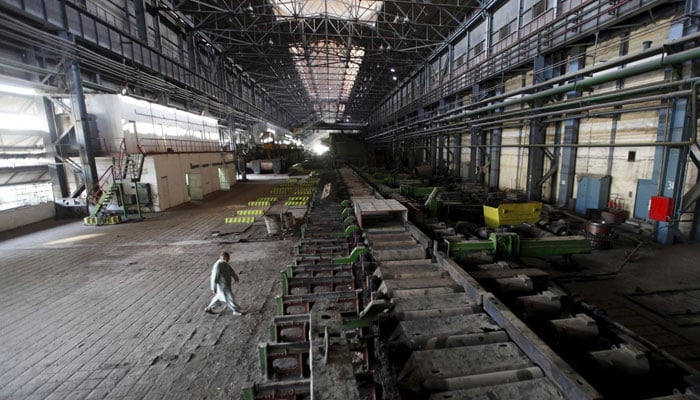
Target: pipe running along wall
x,y
665,60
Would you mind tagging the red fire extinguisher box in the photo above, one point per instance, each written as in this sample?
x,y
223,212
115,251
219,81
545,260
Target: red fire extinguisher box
x,y
661,208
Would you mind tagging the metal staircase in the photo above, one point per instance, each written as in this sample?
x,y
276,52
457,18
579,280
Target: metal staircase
x,y
125,168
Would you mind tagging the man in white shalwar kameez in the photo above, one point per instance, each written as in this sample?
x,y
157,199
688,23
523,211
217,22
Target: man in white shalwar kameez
x,y
221,274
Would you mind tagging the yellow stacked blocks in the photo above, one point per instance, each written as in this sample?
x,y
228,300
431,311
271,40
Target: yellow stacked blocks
x,y
254,212
239,220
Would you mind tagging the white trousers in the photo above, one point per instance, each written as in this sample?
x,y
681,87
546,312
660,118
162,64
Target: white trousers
x,y
223,294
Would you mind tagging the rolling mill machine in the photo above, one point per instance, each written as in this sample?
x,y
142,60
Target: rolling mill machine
x,y
376,306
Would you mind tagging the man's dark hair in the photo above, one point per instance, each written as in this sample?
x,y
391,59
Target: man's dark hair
x,y
224,254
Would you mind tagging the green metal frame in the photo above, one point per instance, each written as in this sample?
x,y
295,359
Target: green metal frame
x,y
262,355
353,257
285,282
279,302
347,232
510,244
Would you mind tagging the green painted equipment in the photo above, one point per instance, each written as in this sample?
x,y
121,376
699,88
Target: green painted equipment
x,y
510,244
353,257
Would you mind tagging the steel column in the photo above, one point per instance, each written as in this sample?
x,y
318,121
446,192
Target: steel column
x,y
673,164
83,129
441,158
433,152
535,159
457,151
571,127
495,153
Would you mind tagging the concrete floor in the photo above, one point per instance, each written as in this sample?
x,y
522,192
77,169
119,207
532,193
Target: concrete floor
x,y
651,269
116,312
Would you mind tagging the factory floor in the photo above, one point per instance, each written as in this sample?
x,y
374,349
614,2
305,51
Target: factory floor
x,y
116,312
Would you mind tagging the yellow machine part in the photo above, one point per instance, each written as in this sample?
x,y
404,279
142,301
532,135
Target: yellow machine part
x,y
512,213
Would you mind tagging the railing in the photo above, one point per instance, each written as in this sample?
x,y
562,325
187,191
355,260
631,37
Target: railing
x,y
160,146
553,27
103,183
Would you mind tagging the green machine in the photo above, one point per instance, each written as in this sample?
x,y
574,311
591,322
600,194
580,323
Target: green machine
x,y
510,244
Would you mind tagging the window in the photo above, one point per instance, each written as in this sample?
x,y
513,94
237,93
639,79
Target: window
x,y
478,48
539,8
504,32
631,156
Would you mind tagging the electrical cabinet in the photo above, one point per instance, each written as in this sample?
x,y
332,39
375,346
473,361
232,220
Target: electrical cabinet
x,y
593,192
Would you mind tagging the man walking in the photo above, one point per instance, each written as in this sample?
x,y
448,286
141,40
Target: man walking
x,y
221,274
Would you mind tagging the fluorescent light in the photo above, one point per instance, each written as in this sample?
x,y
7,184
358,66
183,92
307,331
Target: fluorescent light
x,y
20,90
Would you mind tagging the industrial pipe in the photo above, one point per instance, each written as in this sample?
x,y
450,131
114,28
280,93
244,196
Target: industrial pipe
x,y
568,110
581,84
650,52
529,114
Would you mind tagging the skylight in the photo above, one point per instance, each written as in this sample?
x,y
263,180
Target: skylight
x,y
356,10
328,68
328,71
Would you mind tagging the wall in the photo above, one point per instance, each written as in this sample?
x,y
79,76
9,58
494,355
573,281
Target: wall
x,y
620,128
610,125
149,125
16,217
166,174
513,163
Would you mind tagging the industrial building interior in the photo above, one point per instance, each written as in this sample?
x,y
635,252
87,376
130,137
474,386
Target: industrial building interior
x,y
423,199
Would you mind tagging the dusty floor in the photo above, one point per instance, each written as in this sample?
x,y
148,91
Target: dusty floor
x,y
117,311
667,275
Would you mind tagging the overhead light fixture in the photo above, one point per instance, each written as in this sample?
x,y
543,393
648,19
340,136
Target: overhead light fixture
x,y
270,42
20,90
394,78
249,8
393,70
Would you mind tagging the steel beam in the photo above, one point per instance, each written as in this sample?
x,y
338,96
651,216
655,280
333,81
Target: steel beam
x,y
56,169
